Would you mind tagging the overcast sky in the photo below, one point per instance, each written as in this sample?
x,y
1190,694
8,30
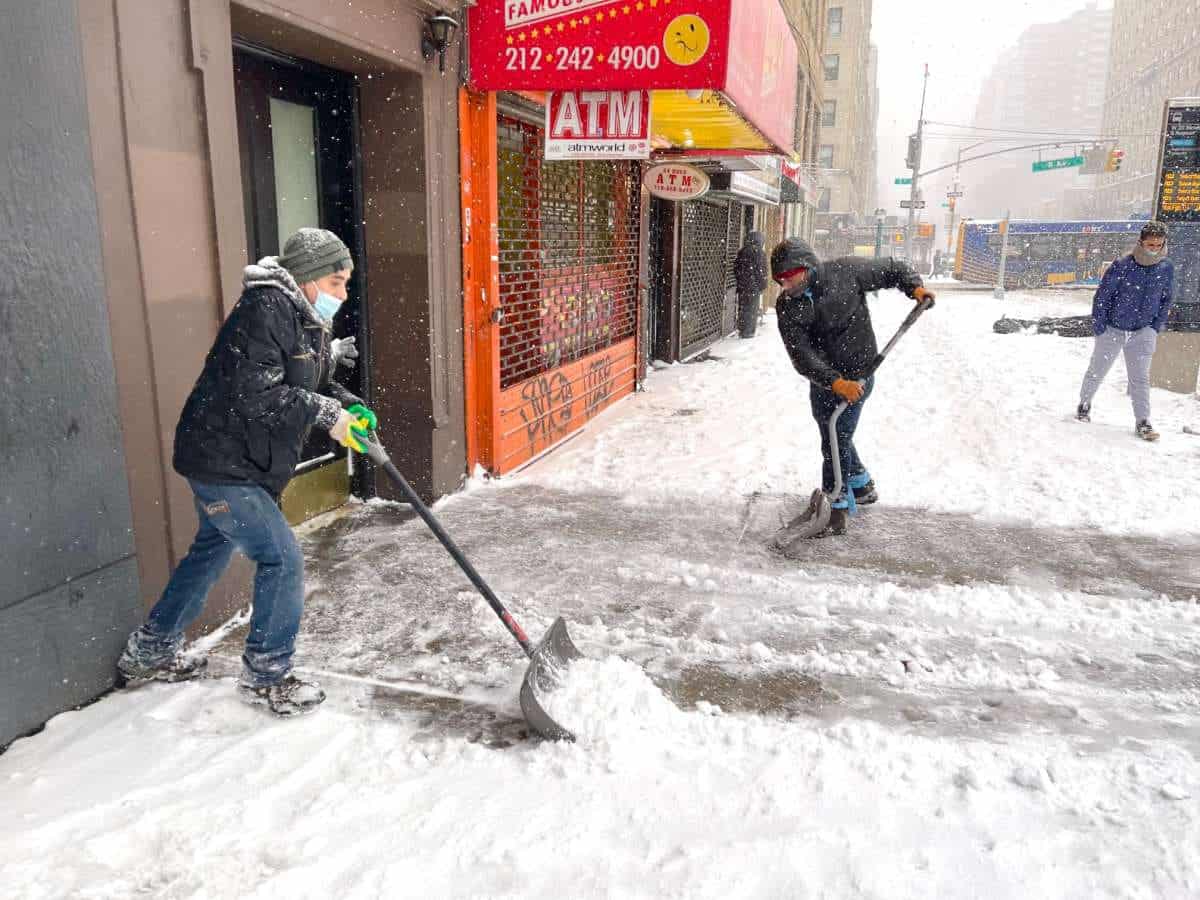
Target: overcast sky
x,y
961,40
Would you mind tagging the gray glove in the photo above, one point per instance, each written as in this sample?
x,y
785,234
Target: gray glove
x,y
344,351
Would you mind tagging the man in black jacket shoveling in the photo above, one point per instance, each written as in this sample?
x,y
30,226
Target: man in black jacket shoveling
x,y
266,382
826,327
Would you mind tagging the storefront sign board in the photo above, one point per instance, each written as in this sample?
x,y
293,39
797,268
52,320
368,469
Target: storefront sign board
x,y
598,125
675,181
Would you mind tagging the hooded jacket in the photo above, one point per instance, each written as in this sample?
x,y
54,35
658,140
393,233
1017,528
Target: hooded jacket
x,y
1132,296
750,267
826,325
266,382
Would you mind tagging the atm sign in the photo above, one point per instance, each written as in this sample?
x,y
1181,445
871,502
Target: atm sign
x,y
598,125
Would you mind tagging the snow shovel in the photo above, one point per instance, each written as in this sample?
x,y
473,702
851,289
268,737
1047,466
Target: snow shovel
x,y
815,518
546,661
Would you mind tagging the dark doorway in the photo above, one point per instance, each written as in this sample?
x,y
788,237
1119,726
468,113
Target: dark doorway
x,y
297,136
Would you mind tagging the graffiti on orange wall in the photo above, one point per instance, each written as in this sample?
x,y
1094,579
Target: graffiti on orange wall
x,y
540,411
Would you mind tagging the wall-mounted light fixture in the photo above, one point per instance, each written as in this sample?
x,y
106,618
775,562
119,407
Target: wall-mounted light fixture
x,y
439,32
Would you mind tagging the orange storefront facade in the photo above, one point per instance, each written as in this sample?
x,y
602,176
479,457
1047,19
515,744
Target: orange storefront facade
x,y
555,251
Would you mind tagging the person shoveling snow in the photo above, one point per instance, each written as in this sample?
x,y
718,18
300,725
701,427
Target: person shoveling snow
x,y
825,325
267,381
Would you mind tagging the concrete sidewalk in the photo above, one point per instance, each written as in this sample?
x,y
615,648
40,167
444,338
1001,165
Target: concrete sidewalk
x,y
695,597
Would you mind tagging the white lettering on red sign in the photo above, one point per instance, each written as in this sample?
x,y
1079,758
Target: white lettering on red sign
x,y
598,125
522,12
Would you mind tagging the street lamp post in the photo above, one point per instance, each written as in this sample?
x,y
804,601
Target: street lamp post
x,y
880,217
916,165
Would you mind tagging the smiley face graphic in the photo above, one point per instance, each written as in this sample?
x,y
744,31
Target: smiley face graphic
x,y
686,40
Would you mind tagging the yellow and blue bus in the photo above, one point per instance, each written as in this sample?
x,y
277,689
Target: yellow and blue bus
x,y
1042,254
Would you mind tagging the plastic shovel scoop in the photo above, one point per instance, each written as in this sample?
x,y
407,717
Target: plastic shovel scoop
x,y
547,661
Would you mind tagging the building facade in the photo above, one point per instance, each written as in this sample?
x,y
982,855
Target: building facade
x,y
807,21
1050,82
845,151
1155,56
157,147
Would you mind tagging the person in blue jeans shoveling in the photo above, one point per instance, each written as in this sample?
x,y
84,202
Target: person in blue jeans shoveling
x,y
1129,312
826,327
266,382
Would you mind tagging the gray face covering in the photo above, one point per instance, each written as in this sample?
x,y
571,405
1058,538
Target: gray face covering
x,y
1144,257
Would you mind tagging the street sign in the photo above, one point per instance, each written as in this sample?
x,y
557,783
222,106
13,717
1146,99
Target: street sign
x,y
1067,162
954,194
912,204
903,181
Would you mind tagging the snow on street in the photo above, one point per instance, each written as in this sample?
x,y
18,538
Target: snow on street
x,y
989,688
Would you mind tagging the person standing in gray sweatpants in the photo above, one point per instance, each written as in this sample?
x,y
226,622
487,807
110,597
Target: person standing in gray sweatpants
x,y
1129,311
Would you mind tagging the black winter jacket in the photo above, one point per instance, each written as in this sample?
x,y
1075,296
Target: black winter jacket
x,y
265,383
826,326
750,268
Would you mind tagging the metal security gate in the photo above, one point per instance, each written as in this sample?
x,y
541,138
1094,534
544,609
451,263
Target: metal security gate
x,y
707,300
568,254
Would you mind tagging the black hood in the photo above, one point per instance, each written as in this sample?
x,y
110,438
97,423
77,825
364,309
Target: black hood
x,y
792,254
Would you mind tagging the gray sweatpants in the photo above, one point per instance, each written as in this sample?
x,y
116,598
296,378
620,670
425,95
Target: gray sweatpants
x,y
1138,347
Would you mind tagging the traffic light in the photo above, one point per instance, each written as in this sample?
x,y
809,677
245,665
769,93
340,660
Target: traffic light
x,y
913,159
1114,160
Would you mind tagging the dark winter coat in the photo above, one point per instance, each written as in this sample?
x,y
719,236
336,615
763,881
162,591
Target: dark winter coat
x,y
1133,296
265,383
826,326
750,267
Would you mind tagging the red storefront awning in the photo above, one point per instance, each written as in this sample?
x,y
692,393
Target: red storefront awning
x,y
741,49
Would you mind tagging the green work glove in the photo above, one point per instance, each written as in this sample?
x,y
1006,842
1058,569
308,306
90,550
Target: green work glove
x,y
360,430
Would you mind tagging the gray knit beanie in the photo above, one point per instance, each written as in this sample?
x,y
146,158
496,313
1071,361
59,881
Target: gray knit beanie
x,y
313,252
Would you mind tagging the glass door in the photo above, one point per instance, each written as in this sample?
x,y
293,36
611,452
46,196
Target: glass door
x,y
296,135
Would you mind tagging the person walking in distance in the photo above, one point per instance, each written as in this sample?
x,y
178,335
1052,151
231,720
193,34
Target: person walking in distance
x,y
1129,311
825,325
266,382
750,273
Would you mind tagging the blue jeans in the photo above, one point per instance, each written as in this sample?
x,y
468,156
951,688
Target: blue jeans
x,y
824,402
243,516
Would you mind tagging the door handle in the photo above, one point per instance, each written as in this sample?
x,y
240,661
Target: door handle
x,y
497,315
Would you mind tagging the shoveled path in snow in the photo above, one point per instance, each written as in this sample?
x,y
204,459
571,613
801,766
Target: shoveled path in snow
x,y
991,687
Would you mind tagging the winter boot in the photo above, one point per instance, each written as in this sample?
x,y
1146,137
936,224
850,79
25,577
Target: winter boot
x,y
1146,431
289,697
1084,412
180,667
837,521
863,486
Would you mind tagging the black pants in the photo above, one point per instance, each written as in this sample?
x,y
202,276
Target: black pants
x,y
747,315
824,402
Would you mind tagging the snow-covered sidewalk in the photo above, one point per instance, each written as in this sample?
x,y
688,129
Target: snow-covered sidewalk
x,y
990,688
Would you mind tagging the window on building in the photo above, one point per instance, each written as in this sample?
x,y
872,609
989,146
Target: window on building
x,y
825,156
828,113
835,21
832,64
823,201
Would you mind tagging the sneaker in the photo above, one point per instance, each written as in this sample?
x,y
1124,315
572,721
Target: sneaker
x,y
1146,431
180,667
1084,412
290,697
866,494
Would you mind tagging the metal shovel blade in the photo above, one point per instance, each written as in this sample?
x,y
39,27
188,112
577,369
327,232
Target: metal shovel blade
x,y
809,524
546,668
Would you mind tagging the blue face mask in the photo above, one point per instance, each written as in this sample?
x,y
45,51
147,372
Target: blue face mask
x,y
326,305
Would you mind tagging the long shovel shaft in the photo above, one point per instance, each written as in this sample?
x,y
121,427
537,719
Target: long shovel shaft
x,y
452,548
834,450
